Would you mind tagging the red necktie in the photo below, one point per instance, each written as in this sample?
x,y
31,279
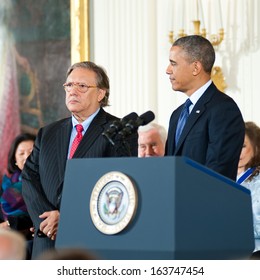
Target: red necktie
x,y
76,140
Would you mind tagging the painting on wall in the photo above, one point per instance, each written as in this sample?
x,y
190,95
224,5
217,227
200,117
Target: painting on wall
x,y
35,53
41,31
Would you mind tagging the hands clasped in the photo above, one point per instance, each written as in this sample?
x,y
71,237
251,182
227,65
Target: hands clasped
x,y
49,225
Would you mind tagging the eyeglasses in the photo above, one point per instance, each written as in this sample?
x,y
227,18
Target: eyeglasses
x,y
79,87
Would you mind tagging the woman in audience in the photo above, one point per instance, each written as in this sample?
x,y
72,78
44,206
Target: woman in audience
x,y
249,175
13,207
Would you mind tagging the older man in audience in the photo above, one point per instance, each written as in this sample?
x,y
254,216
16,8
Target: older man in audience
x,y
151,140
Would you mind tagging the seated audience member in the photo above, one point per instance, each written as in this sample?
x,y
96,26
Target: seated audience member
x,y
151,140
12,245
67,254
249,175
13,208
12,204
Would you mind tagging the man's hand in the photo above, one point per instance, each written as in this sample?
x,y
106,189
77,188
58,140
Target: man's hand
x,y
49,225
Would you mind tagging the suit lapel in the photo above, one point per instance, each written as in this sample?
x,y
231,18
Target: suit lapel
x,y
62,145
194,116
197,111
93,132
172,131
63,137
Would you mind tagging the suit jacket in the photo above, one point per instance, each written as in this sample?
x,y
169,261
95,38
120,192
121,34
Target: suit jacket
x,y
213,134
43,173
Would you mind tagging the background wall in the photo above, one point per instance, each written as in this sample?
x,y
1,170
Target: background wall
x,y
124,36
130,39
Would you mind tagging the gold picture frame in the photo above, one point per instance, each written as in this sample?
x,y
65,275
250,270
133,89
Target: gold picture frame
x,y
79,19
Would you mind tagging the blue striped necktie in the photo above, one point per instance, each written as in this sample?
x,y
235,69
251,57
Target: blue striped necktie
x,y
182,120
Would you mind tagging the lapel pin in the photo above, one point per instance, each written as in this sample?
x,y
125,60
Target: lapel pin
x,y
198,111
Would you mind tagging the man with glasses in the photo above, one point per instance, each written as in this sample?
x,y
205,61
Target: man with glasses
x,y
79,136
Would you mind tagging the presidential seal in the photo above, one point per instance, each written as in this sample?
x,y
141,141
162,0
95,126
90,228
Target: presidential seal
x,y
113,202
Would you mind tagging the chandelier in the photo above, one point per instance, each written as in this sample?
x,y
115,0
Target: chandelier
x,y
198,22
179,15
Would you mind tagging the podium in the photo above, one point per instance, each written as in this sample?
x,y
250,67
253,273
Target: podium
x,y
184,211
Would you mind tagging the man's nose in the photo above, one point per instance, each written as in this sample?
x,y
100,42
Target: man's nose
x,y
149,150
168,70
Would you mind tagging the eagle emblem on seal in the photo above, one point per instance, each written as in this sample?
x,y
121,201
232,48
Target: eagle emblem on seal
x,y
113,203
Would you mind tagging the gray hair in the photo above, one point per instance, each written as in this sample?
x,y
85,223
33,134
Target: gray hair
x,y
161,130
197,48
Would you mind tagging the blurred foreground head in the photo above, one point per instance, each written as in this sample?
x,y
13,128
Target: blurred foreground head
x,y
12,245
67,254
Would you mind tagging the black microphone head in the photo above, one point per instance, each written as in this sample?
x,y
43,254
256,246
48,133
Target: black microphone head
x,y
146,117
132,125
131,116
118,125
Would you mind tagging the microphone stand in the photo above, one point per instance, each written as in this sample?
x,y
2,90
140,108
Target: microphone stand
x,y
122,147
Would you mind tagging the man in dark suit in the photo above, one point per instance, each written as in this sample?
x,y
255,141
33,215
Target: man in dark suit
x,y
87,92
214,129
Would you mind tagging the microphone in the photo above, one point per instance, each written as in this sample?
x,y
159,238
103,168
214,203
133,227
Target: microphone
x,y
117,125
132,125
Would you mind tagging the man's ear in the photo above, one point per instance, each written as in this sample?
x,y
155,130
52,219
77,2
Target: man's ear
x,y
101,94
197,67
